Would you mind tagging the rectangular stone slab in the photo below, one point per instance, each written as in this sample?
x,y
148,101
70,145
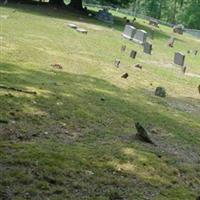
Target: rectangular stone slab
x,y
147,48
179,59
129,32
133,54
140,36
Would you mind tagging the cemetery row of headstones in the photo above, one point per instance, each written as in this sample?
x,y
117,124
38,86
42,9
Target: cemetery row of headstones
x,y
140,36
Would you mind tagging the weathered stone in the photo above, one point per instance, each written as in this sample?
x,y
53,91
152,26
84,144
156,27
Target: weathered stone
x,y
125,76
74,26
179,59
133,54
117,63
147,48
142,134
171,42
81,30
160,91
123,48
140,36
178,29
129,32
154,22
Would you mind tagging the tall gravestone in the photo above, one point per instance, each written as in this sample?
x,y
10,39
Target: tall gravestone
x,y
179,59
147,48
140,36
129,32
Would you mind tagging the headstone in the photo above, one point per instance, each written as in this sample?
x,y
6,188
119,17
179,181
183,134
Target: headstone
x,y
147,48
117,63
153,22
105,16
178,29
171,42
74,26
123,48
160,91
195,52
138,66
140,36
81,30
133,54
125,76
179,59
129,32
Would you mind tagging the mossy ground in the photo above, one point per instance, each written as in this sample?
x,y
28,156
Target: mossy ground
x,y
74,139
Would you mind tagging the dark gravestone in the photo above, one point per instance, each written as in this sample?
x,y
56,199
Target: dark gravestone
x,y
153,22
179,59
140,36
129,32
105,16
195,52
160,91
147,48
125,76
178,29
123,48
117,63
133,54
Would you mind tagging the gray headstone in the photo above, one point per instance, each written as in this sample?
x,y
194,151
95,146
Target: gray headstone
x,y
140,36
179,59
147,48
153,22
129,32
133,54
117,63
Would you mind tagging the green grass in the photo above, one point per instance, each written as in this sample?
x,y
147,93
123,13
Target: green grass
x,y
65,142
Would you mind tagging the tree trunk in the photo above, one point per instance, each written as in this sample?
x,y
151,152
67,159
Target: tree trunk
x,y
76,5
57,2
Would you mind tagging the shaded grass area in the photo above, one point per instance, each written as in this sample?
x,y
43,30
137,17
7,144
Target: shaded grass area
x,y
74,139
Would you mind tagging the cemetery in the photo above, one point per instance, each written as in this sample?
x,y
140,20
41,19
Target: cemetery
x,y
94,108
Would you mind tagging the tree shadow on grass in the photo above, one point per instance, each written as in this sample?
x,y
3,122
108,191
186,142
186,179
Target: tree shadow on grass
x,y
98,163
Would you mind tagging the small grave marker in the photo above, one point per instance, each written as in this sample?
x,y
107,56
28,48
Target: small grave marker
x,y
153,22
179,59
74,26
125,76
147,48
81,30
123,48
117,63
178,29
133,54
171,42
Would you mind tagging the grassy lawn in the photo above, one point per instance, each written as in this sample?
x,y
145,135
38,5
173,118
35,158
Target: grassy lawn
x,y
75,138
